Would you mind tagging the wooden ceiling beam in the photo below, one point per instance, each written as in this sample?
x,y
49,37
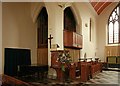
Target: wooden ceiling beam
x,y
103,7
93,3
100,5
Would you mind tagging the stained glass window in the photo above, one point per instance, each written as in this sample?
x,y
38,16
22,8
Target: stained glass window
x,y
113,26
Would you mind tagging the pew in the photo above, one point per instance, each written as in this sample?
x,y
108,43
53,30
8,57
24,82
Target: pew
x,y
11,81
90,69
85,71
96,67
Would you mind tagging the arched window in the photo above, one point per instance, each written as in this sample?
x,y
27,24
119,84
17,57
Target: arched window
x,y
114,26
69,20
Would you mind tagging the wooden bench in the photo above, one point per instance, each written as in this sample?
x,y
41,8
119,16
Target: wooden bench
x,y
11,81
89,70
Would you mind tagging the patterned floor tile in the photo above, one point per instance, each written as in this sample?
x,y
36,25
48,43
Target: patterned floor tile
x,y
106,77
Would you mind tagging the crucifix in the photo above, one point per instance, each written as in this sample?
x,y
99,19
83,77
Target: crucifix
x,y
50,38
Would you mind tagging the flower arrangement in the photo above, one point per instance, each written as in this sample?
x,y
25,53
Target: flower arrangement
x,y
64,57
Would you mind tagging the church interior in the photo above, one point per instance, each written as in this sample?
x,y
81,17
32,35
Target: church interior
x,y
60,43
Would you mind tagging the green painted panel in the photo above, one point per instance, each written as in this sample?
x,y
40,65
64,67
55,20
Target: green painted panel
x,y
111,60
118,60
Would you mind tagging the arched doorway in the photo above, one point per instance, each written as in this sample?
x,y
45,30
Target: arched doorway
x,y
42,37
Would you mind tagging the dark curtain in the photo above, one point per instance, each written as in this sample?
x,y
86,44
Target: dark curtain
x,y
15,57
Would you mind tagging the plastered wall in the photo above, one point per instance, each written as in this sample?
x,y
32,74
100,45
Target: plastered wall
x,y
1,63
102,22
18,29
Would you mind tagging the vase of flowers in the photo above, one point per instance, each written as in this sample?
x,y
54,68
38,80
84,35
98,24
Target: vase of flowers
x,y
65,59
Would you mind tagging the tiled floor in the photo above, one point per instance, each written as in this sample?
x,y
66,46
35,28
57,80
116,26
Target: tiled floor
x,y
50,82
106,78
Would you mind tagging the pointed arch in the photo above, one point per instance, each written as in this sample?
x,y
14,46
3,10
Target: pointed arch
x,y
114,26
77,18
42,37
42,28
69,20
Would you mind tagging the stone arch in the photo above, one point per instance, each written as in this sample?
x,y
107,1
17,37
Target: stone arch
x,y
36,10
77,18
42,36
42,28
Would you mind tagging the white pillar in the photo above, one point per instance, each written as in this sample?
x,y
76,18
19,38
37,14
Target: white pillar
x,y
55,26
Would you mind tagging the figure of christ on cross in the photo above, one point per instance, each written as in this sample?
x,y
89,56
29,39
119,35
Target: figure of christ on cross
x,y
50,38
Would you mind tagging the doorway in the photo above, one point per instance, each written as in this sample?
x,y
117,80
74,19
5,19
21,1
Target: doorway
x,y
42,37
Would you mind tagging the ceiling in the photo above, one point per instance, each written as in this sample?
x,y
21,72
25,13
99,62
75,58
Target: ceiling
x,y
100,5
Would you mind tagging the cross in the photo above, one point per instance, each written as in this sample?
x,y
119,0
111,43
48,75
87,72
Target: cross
x,y
50,40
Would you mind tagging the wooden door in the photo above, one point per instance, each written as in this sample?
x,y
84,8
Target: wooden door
x,y
42,56
42,37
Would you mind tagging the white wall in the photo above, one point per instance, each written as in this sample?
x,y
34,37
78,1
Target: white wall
x,y
1,38
35,9
86,12
18,29
83,12
55,22
102,22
